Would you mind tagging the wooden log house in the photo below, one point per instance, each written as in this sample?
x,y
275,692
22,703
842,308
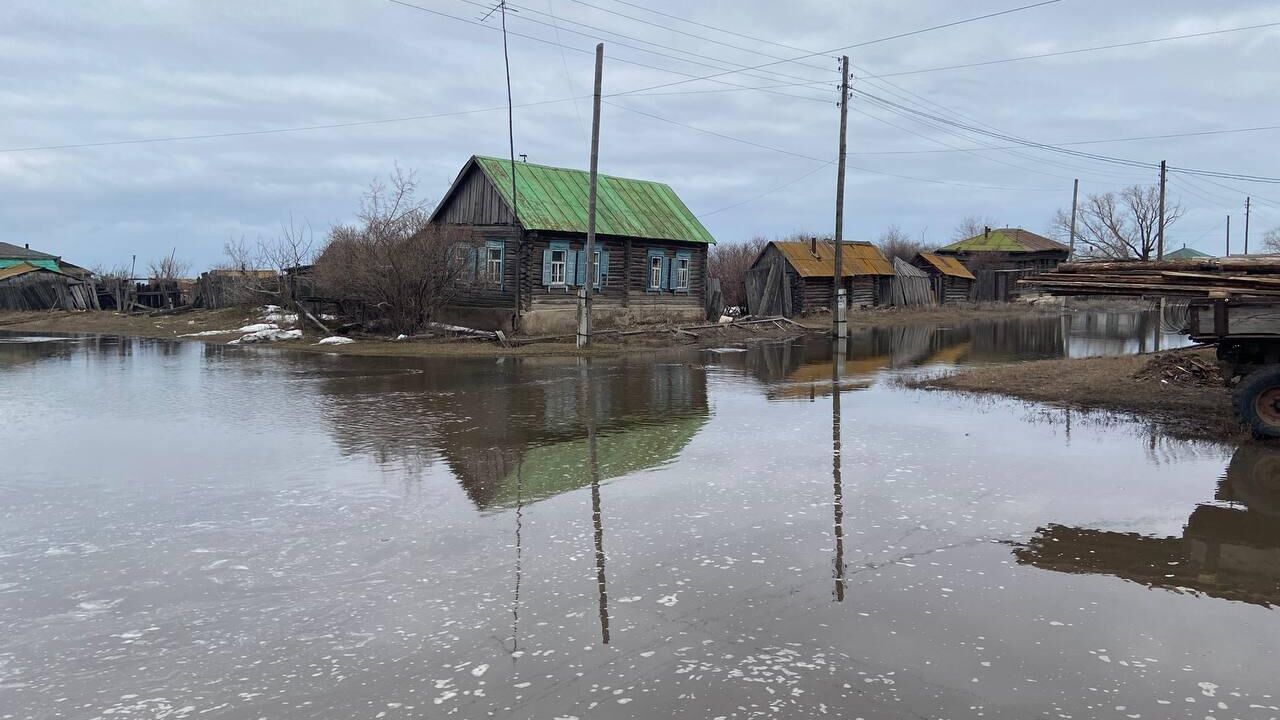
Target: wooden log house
x,y
952,281
999,257
808,267
526,258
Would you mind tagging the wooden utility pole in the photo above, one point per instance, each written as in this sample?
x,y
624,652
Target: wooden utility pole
x,y
1246,225
1075,195
584,292
1160,246
1228,236
839,328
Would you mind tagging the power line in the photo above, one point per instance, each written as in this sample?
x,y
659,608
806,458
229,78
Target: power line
x,y
1077,51
864,43
762,146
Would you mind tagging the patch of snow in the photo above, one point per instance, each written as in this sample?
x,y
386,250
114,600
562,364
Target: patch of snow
x,y
482,668
268,335
401,337
336,340
258,327
206,333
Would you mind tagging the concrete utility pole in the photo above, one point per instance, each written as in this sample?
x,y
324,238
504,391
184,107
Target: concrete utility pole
x,y
1246,225
1228,236
839,328
1075,195
584,292
1160,246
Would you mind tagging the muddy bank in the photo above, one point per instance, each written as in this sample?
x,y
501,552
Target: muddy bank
x,y
1179,389
202,326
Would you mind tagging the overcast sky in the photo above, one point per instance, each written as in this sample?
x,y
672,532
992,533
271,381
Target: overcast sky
x,y
79,72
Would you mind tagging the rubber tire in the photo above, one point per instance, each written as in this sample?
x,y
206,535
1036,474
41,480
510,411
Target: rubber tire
x,y
1242,399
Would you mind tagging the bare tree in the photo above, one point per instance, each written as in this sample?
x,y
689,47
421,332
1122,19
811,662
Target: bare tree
x,y
169,268
391,260
970,226
1118,226
895,243
1271,240
729,263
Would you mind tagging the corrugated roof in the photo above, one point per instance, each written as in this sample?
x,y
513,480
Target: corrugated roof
x,y
1009,240
22,269
555,199
947,265
858,258
9,250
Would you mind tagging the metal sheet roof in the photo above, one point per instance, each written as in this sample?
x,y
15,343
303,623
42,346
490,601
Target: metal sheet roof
x,y
22,269
552,198
1185,253
858,258
947,265
1008,240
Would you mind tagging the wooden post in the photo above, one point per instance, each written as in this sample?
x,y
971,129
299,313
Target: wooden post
x,y
1160,247
1246,225
1075,195
1228,236
584,293
838,325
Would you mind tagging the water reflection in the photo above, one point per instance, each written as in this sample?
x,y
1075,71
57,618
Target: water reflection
x,y
519,431
799,370
1229,549
837,366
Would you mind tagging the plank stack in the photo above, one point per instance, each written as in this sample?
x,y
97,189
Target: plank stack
x,y
1209,277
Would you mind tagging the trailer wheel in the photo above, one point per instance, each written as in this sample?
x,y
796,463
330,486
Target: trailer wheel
x,y
1257,402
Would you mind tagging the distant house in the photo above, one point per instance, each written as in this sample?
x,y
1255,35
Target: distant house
x,y
526,254
999,256
33,280
1186,253
952,281
807,269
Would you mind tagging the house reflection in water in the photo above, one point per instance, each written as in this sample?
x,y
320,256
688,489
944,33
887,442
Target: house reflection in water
x,y
517,431
1228,550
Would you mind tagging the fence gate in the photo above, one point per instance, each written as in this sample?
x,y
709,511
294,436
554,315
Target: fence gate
x,y
768,290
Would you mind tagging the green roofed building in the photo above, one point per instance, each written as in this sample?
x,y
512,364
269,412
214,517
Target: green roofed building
x,y
522,246
1185,253
997,257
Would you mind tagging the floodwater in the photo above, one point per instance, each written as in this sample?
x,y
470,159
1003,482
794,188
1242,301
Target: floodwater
x,y
193,530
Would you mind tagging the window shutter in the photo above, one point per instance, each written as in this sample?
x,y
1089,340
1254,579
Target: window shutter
x,y
580,267
602,268
668,267
471,260
546,267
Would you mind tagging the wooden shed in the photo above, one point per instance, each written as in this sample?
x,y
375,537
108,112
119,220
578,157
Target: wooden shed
x,y
25,286
952,281
528,250
999,256
804,270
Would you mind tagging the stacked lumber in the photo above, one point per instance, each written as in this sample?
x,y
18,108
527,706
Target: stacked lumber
x,y
1209,277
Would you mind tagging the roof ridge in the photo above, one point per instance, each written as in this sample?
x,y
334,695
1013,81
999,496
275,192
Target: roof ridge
x,y
572,170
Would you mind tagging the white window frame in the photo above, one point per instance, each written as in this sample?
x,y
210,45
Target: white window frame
x,y
493,265
558,266
655,272
682,273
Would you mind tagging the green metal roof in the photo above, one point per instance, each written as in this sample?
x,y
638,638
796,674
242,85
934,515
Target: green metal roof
x,y
548,470
555,199
1009,240
1185,253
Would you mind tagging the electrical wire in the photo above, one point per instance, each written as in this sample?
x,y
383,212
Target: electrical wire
x,y
767,193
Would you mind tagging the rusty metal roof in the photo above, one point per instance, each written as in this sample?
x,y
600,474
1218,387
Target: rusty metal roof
x,y
1006,240
555,199
947,265
858,258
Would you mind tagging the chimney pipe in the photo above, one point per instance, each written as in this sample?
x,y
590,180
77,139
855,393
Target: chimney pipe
x,y
813,245
986,232
26,245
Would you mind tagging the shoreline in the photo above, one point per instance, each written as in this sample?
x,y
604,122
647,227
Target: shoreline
x,y
1154,387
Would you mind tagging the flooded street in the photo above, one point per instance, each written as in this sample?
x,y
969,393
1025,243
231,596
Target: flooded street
x,y
193,530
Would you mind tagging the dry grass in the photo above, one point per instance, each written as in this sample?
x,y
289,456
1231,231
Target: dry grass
x,y
1131,384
